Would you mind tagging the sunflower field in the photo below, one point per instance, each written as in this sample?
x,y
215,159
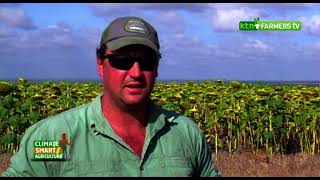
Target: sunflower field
x,y
233,116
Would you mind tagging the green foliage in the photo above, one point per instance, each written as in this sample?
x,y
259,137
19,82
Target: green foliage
x,y
232,115
242,115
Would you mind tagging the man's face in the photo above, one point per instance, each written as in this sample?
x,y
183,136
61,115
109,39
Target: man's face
x,y
132,86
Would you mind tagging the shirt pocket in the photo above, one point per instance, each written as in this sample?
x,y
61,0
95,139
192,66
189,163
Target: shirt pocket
x,y
96,168
178,166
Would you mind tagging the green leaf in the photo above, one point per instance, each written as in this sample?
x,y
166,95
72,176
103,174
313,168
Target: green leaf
x,y
268,135
8,102
7,138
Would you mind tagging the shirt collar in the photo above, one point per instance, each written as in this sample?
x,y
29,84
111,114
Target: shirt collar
x,y
98,123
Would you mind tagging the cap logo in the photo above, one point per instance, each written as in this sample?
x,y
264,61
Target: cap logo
x,y
136,26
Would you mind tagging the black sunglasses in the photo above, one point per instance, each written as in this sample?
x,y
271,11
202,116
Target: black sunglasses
x,y
122,62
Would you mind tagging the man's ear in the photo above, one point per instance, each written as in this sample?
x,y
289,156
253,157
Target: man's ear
x,y
100,66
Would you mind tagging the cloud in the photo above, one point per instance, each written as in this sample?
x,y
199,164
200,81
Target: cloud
x,y
275,6
56,40
7,32
9,5
57,36
184,49
239,48
312,51
53,36
16,17
166,15
190,7
287,6
316,50
228,20
226,16
238,58
226,54
169,22
169,16
62,51
317,46
162,17
259,45
63,26
311,25
158,19
190,50
57,51
107,9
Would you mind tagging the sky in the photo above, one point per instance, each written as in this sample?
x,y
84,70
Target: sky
x,y
198,41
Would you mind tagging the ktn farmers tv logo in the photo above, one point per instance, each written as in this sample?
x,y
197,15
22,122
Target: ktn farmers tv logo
x,y
52,149
257,25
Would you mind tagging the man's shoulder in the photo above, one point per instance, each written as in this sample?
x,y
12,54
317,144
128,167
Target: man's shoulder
x,y
68,116
68,120
182,128
180,120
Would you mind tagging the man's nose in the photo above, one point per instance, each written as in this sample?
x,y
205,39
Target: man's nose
x,y
135,71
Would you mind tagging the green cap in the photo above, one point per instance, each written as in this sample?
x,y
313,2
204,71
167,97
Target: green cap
x,y
129,30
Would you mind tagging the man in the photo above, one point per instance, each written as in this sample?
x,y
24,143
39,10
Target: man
x,y
121,132
64,144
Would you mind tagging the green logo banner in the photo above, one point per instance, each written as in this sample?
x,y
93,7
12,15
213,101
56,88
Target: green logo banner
x,y
257,25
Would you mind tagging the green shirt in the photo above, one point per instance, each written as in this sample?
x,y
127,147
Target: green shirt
x,y
174,146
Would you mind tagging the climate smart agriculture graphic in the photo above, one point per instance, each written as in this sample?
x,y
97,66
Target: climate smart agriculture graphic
x,y
47,150
52,149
